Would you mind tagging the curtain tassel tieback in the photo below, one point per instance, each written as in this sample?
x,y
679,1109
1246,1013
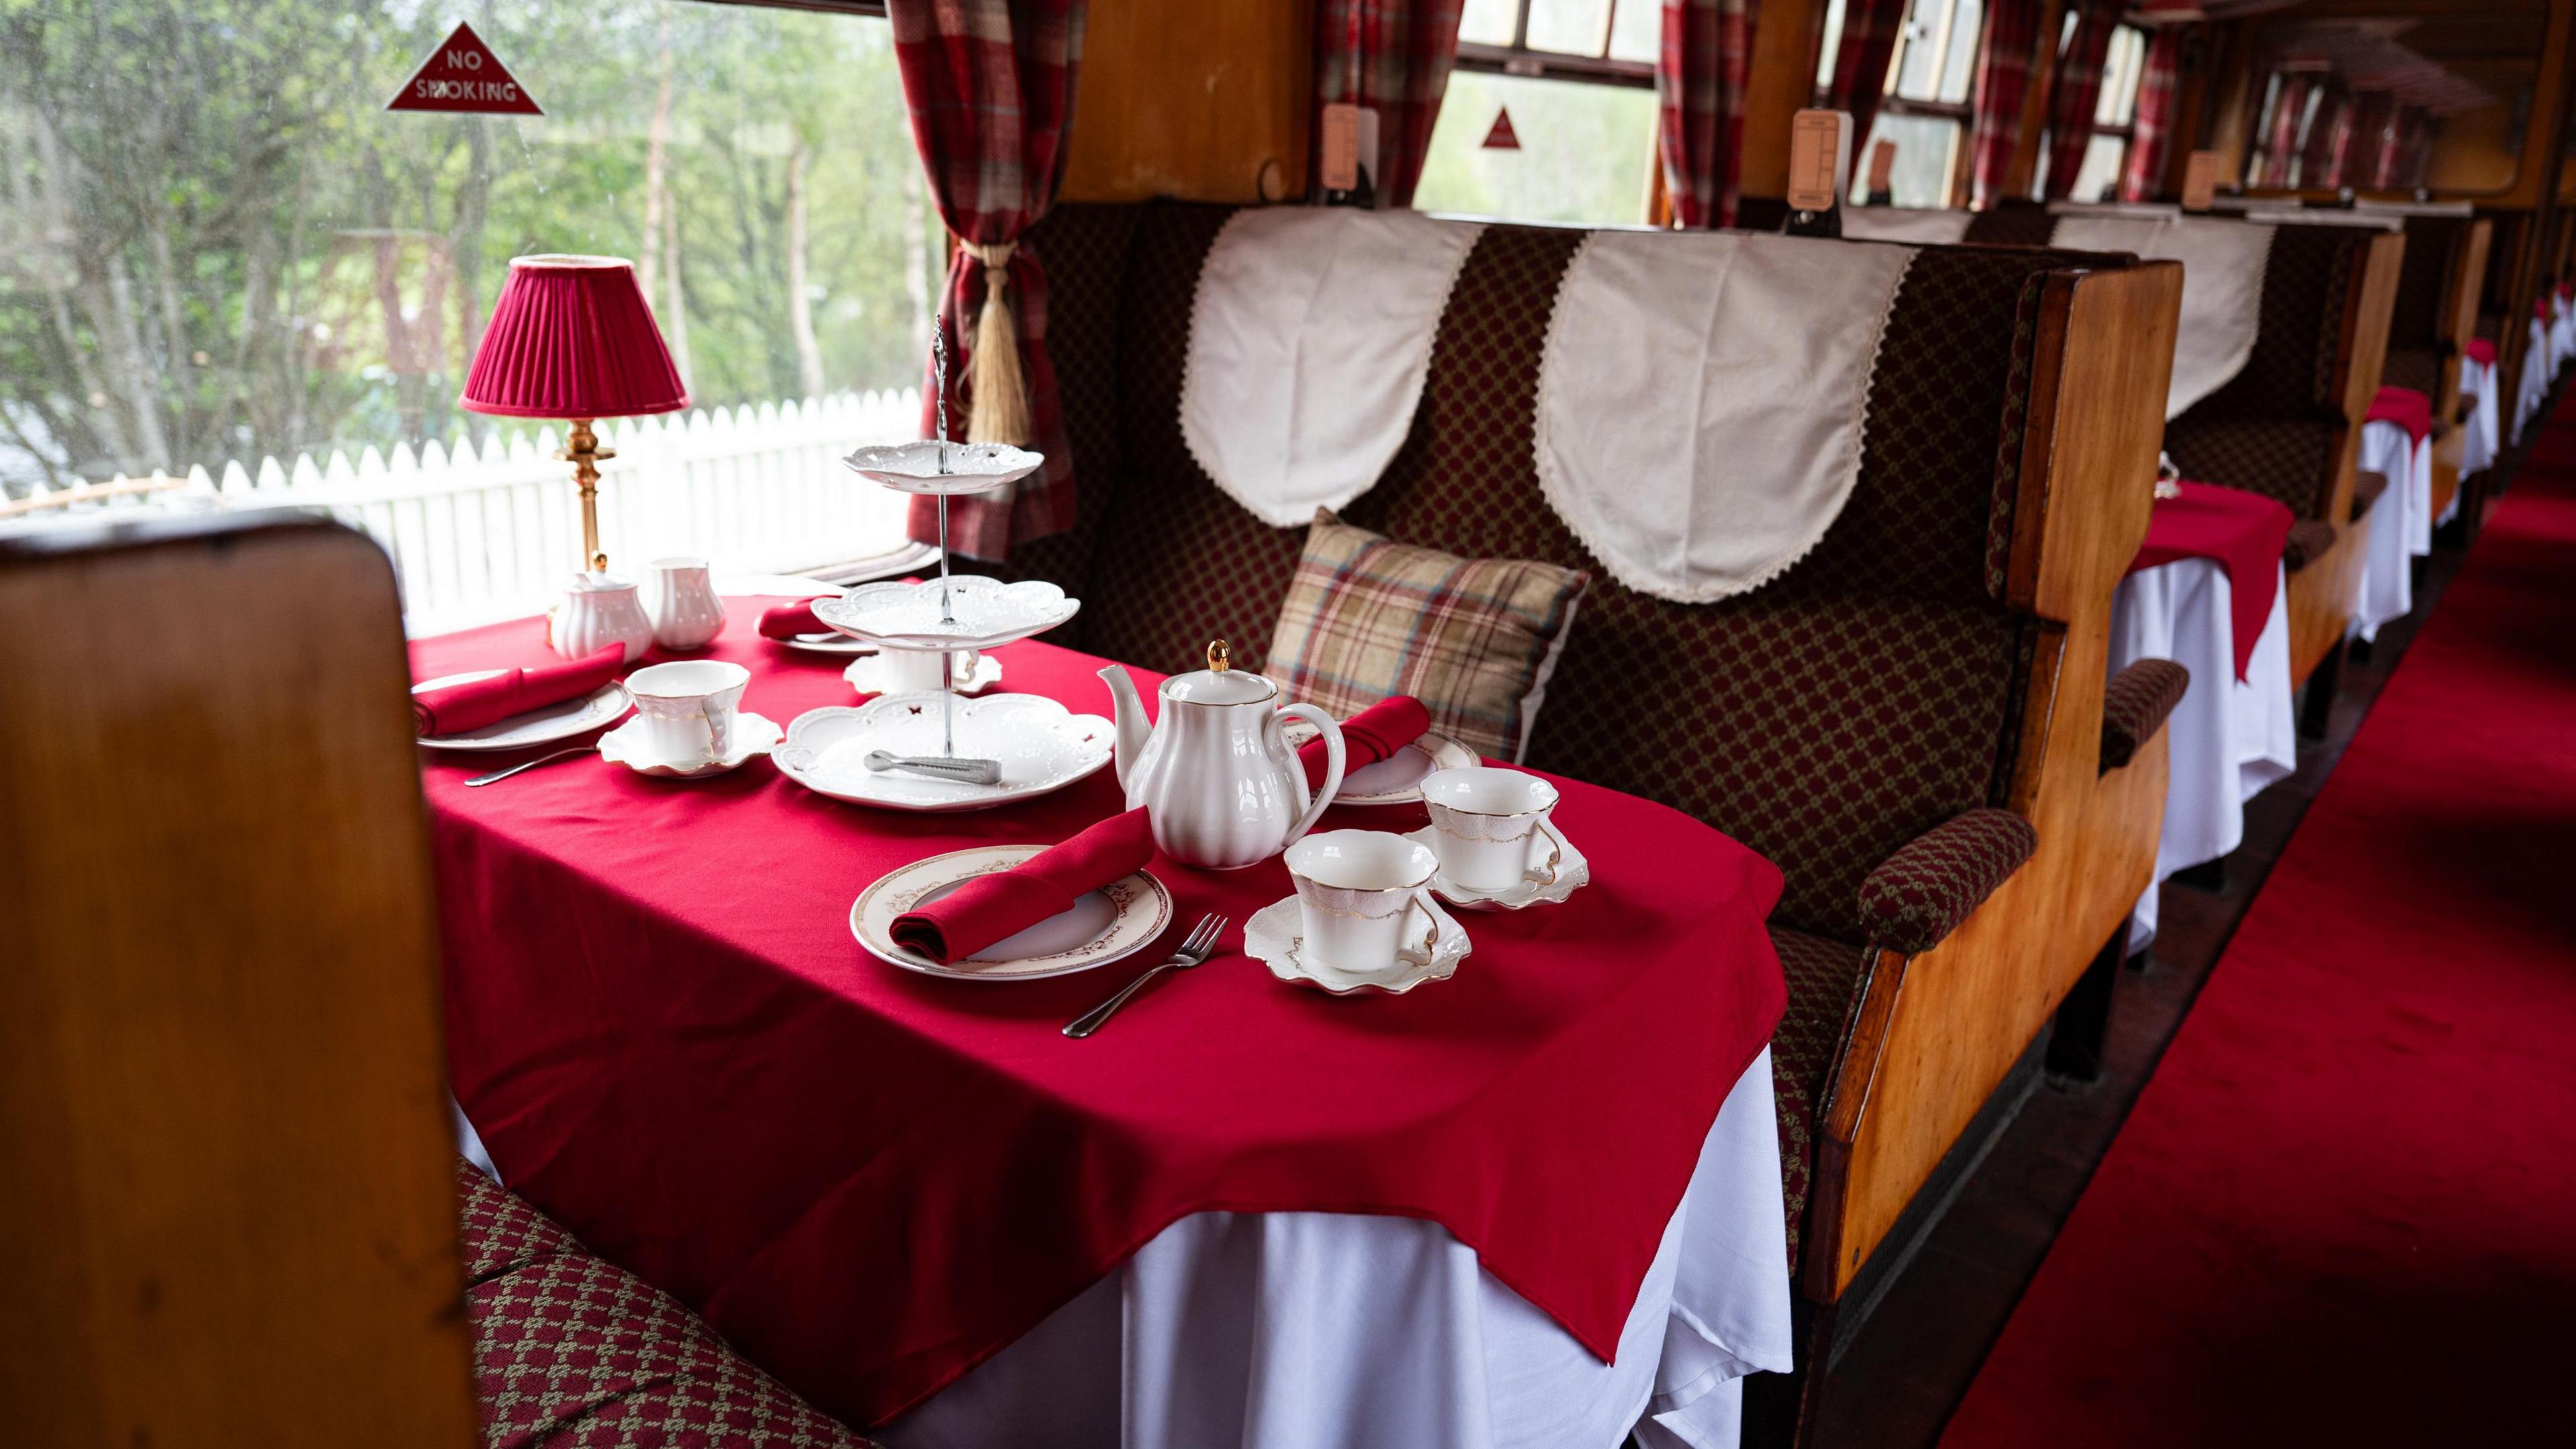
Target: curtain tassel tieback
x,y
998,392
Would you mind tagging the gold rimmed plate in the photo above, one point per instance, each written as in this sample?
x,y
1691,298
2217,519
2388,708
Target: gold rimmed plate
x,y
1106,925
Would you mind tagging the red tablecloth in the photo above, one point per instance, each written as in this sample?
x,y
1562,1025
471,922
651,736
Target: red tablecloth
x,y
2243,531
870,1179
2405,407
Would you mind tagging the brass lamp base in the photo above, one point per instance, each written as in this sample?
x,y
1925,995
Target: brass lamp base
x,y
582,450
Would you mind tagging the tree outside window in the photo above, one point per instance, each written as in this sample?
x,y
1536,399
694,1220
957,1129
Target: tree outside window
x,y
1578,79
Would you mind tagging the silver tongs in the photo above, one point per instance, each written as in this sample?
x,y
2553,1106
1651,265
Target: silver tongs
x,y
961,770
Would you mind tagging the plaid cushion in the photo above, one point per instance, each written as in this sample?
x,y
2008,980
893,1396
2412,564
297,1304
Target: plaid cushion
x,y
1473,639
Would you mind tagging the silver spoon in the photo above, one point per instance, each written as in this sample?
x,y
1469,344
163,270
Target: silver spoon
x,y
532,764
959,770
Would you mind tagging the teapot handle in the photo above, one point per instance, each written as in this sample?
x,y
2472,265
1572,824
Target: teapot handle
x,y
1334,759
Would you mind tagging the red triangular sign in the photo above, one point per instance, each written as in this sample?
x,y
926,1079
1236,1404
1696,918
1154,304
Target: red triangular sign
x,y
1502,137
464,75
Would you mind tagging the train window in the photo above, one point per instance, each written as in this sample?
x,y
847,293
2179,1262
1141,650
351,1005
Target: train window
x,y
2114,117
224,253
1923,107
1576,78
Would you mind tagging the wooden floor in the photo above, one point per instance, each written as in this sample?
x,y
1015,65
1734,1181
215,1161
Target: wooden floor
x,y
1899,1376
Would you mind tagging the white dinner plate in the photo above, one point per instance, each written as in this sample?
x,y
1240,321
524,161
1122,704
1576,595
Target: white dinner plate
x,y
1397,779
1109,924
1042,746
536,727
838,646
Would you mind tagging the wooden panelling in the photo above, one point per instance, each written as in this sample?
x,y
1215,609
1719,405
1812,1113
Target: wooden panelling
x,y
2321,595
226,1214
1938,1032
1181,98
2459,319
2446,468
1781,80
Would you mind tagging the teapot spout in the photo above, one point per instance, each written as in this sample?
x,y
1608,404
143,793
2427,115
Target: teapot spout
x,y
1129,712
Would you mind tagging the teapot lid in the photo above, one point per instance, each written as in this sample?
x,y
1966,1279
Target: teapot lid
x,y
1220,682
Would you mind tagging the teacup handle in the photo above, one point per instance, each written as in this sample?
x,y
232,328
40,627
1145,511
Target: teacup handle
x,y
1544,872
961,666
1334,758
719,737
1431,917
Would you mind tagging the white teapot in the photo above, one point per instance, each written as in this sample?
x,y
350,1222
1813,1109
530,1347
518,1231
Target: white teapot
x,y
1220,785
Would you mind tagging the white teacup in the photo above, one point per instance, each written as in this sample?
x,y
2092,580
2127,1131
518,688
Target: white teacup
x,y
916,671
686,709
1357,892
1489,826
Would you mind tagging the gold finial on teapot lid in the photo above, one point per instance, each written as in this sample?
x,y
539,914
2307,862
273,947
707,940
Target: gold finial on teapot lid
x,y
1220,657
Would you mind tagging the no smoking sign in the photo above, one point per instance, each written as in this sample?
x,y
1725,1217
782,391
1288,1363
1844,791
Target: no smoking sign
x,y
464,75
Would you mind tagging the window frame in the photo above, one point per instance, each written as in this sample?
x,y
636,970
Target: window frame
x,y
1519,59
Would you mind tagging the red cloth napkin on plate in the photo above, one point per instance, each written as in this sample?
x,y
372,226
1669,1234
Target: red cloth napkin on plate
x,y
2243,531
2481,350
786,621
1373,734
461,707
2405,407
996,907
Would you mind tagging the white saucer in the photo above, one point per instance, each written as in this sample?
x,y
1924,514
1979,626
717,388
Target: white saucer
x,y
867,675
1041,745
1397,779
1109,924
537,726
1271,937
753,735
1572,874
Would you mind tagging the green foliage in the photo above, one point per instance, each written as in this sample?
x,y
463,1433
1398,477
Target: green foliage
x,y
215,243
1584,157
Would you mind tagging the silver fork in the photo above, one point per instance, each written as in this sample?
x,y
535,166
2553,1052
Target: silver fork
x,y
1200,946
532,764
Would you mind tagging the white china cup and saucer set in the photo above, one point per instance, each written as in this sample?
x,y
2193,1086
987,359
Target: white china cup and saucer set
x,y
689,722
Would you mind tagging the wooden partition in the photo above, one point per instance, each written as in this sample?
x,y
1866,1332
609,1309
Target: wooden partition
x,y
227,1215
2459,327
2321,595
1936,1033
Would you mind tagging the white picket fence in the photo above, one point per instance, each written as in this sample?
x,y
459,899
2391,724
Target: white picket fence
x,y
477,536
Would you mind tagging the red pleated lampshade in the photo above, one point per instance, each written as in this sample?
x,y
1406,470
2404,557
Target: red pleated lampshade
x,y
572,337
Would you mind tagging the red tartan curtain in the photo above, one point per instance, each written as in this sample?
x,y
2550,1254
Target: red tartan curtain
x,y
2317,151
2079,89
2004,62
2152,124
1699,86
2281,138
1870,28
1393,56
989,84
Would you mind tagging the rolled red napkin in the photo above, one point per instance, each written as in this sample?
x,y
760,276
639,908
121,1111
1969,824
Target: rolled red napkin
x,y
458,708
996,907
786,621
1373,734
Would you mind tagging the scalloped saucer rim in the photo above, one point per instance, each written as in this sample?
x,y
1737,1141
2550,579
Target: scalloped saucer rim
x,y
1272,937
754,735
1573,873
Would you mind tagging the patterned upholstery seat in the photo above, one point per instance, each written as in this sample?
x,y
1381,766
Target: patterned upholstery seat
x,y
573,1352
2417,367
1866,696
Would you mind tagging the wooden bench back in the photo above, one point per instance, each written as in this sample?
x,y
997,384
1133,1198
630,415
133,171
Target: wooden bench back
x,y
226,1216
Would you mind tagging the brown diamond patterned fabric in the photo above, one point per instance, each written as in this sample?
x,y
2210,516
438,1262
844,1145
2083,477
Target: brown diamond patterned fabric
x,y
2432,249
2135,704
2015,223
2417,367
571,1350
2308,542
2291,459
1924,891
1824,976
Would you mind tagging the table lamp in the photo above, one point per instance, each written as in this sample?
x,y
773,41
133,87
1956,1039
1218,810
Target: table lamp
x,y
572,337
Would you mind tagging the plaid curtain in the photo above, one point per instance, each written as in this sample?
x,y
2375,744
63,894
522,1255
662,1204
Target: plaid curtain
x,y
2079,89
2281,138
2004,62
1699,86
989,84
2317,150
1392,56
1870,28
2151,126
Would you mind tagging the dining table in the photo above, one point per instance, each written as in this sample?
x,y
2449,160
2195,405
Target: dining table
x,y
2209,591
1536,1203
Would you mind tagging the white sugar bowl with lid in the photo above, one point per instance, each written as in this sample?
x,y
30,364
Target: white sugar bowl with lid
x,y
1214,772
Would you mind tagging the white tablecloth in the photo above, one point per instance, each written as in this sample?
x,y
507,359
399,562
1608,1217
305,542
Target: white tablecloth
x,y
2400,525
2227,739
2531,388
2478,447
1347,1331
